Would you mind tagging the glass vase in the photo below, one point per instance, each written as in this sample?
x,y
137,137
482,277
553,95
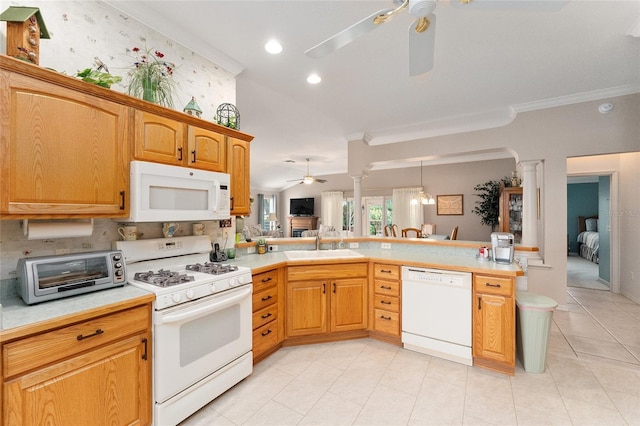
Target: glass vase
x,y
150,90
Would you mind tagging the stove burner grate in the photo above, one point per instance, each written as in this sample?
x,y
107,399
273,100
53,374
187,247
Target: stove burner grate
x,y
212,268
163,278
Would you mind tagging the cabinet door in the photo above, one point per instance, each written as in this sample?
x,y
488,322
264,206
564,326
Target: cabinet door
x,y
306,308
159,139
238,163
207,150
348,304
64,153
511,212
494,328
106,386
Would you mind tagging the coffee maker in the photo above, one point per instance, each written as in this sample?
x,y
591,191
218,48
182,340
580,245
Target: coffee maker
x,y
502,247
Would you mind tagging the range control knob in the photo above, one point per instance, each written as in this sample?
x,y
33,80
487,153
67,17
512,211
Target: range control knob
x,y
212,288
190,293
233,282
177,297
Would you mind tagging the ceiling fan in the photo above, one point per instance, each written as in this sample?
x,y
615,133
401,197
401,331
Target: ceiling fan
x,y
308,179
421,33
422,30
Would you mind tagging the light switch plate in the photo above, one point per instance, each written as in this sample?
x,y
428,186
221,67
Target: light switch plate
x,y
354,245
385,245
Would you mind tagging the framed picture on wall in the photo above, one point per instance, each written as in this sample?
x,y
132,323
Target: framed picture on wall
x,y
449,204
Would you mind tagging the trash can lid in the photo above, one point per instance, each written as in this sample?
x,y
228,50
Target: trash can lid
x,y
534,302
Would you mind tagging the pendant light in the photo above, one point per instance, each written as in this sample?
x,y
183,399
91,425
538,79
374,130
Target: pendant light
x,y
423,198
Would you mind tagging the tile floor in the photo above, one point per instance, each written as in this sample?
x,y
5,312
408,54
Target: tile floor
x,y
592,378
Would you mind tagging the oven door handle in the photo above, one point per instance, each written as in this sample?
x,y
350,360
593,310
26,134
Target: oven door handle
x,y
206,309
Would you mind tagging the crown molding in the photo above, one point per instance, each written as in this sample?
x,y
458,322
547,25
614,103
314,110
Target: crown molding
x,y
578,98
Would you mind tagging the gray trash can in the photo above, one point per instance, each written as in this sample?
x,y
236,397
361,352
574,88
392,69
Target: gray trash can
x,y
533,321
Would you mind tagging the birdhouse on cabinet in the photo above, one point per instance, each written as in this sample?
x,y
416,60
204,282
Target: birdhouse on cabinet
x,y
25,28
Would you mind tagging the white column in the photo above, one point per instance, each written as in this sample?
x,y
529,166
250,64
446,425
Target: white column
x,y
529,204
357,206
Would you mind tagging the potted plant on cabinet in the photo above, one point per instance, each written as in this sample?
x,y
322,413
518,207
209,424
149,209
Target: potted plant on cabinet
x,y
262,246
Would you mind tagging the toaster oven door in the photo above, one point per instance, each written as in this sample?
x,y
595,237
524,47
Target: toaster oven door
x,y
69,274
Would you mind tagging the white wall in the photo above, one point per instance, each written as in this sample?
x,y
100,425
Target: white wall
x,y
550,136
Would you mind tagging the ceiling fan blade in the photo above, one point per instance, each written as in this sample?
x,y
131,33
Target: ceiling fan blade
x,y
526,5
320,180
421,45
345,36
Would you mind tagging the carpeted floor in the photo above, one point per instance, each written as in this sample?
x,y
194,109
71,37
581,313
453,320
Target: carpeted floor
x,y
583,274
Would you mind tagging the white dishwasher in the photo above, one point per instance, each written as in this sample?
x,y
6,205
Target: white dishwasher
x,y
436,313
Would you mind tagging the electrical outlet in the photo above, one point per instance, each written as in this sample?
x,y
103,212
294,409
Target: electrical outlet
x,y
354,245
251,250
87,246
273,248
385,245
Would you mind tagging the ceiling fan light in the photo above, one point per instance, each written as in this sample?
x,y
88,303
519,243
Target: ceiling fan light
x,y
421,8
314,79
307,180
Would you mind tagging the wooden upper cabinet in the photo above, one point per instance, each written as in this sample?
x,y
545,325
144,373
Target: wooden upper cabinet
x,y
238,164
158,139
64,153
206,149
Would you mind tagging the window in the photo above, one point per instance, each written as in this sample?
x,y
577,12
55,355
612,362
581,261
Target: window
x,y
266,205
347,216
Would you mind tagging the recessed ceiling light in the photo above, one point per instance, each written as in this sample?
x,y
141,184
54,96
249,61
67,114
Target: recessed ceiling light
x,y
314,79
605,108
273,46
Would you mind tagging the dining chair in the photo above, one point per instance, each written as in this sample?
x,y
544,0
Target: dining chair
x,y
407,231
454,233
394,230
387,231
428,229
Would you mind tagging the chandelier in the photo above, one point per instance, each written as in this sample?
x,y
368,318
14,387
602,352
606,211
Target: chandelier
x,y
423,198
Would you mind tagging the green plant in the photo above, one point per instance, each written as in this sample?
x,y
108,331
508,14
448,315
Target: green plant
x,y
103,79
151,77
262,242
488,206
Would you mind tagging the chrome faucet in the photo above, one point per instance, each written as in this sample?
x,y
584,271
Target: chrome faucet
x,y
318,238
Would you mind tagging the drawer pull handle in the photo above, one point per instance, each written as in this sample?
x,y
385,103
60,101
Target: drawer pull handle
x,y
266,280
266,333
384,302
144,342
266,298
384,287
385,318
385,271
492,285
98,332
266,315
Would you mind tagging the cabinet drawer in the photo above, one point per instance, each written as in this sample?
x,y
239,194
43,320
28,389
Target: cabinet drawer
x,y
45,348
386,272
264,280
388,288
265,338
318,272
265,315
493,285
264,298
387,303
386,322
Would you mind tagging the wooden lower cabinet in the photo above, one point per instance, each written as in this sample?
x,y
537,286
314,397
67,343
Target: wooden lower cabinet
x,y
100,378
386,300
326,299
494,332
267,316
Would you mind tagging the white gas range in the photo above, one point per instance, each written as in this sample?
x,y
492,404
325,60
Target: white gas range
x,y
202,330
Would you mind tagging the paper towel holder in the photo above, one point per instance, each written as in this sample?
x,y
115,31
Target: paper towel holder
x,y
24,224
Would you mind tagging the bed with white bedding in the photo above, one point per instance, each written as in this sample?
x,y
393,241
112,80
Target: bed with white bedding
x,y
588,238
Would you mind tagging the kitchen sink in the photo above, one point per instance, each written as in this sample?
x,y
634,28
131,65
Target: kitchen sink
x,y
321,254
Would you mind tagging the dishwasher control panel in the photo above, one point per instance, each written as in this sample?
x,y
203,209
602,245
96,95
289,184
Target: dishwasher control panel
x,y
436,276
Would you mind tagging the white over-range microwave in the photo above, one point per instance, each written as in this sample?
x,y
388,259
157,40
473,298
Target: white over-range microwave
x,y
160,192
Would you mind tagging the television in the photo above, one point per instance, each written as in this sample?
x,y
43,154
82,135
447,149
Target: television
x,y
301,206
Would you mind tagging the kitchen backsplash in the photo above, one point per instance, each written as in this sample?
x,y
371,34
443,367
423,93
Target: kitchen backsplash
x,y
14,244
